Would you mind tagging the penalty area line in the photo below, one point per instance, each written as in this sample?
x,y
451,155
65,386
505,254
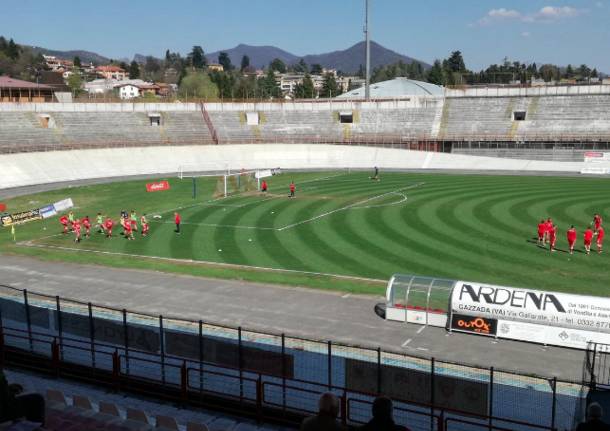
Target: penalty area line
x,y
204,263
355,204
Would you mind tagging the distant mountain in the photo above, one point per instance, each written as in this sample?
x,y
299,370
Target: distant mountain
x,y
260,56
85,56
139,58
348,60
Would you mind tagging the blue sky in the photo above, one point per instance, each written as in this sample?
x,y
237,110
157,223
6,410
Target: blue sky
x,y
486,31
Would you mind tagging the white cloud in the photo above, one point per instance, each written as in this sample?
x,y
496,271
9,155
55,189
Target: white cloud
x,y
504,13
526,34
545,14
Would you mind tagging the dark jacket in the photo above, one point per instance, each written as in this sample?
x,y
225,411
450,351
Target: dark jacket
x,y
377,425
593,425
321,422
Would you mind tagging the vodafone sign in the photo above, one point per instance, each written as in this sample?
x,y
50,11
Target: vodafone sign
x,y
157,187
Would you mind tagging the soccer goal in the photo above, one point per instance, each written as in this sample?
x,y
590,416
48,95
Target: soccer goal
x,y
228,183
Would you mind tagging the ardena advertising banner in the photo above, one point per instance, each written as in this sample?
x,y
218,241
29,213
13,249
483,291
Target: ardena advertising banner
x,y
566,319
48,211
596,156
157,187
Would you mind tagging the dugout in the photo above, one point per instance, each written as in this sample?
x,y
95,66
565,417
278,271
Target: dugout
x,y
549,318
421,300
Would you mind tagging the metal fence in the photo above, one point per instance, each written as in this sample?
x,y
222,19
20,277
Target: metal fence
x,y
278,371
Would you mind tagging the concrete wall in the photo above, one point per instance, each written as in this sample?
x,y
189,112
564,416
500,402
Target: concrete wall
x,y
24,169
566,90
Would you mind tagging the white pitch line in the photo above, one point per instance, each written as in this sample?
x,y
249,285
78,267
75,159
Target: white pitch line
x,y
205,262
406,342
421,329
217,225
345,207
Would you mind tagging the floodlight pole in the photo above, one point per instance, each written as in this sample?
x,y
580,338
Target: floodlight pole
x,y
367,83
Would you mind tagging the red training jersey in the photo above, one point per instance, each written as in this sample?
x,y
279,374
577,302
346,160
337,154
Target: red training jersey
x,y
177,218
108,223
600,234
552,233
571,235
548,226
588,235
541,228
86,223
63,220
292,187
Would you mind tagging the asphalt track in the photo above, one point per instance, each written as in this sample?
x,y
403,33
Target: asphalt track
x,y
300,312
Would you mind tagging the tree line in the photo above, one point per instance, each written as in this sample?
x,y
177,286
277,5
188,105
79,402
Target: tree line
x,y
453,71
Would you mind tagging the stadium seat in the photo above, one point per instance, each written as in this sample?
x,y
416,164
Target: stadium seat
x,y
191,426
109,408
166,423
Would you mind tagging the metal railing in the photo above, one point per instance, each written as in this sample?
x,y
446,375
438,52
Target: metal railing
x,y
193,360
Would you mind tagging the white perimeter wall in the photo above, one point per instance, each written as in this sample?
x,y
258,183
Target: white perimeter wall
x,y
49,167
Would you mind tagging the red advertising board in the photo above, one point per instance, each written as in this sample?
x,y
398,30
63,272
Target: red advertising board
x,y
2,207
157,187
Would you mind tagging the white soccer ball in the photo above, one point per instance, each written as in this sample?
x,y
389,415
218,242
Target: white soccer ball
x,y
220,249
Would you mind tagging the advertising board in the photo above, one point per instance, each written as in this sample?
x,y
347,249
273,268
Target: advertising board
x,y
63,205
477,325
157,187
20,217
524,314
48,211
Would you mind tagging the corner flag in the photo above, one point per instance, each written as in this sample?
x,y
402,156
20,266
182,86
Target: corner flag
x,y
13,232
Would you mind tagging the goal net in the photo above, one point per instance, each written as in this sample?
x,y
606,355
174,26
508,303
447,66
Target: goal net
x,y
239,182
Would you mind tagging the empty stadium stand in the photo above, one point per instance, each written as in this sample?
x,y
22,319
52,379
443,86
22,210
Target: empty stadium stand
x,y
442,121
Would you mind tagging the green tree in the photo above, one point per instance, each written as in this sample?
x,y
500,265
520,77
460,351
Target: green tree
x,y
316,69
134,70
245,62
436,74
300,67
198,84
13,50
306,89
77,63
197,58
277,65
75,82
225,61
569,73
329,86
455,62
584,72
269,86
594,73
225,82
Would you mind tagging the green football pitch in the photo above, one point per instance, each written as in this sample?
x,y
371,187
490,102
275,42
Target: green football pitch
x,y
467,227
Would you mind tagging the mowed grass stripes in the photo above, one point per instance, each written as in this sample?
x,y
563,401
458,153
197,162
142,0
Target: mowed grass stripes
x,y
470,227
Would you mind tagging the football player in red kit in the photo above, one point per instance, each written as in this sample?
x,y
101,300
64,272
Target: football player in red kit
x,y
292,189
571,238
87,226
144,223
600,239
552,237
76,227
64,222
588,237
548,224
597,222
108,227
264,186
128,229
541,229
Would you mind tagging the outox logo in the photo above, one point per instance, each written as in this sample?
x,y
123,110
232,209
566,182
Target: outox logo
x,y
477,325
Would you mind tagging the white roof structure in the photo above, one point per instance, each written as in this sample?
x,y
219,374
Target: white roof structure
x,y
395,89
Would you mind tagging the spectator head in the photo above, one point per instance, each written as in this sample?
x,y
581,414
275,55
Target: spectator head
x,y
382,408
594,411
329,404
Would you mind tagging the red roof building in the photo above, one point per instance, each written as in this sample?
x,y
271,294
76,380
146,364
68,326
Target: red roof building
x,y
111,72
16,90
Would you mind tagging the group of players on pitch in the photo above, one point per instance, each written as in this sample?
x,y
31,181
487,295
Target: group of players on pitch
x,y
547,233
128,221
